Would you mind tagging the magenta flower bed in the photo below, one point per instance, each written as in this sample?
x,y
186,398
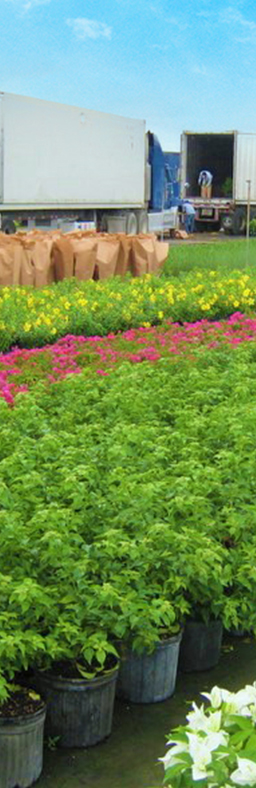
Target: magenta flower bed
x,y
20,369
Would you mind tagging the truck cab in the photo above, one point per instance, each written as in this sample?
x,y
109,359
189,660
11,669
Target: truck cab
x,y
164,191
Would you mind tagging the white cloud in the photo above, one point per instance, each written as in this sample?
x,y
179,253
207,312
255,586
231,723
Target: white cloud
x,y
27,5
89,28
231,15
242,29
200,69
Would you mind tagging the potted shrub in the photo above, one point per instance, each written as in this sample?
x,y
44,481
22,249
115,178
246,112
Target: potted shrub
x,y
78,684
133,608
150,636
22,717
206,577
239,615
217,745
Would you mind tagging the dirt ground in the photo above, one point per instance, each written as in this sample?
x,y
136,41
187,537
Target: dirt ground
x,y
206,238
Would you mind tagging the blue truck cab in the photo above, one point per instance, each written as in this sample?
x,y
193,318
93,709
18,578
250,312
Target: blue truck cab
x,y
164,201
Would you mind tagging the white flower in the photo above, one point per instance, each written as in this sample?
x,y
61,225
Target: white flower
x,y
201,750
199,721
217,696
246,772
201,756
245,697
172,756
237,702
197,718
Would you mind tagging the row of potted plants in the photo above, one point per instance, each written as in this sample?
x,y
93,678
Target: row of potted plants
x,y
78,703
116,527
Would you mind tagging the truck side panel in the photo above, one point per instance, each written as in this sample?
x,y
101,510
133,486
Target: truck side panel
x,y
60,155
1,150
245,167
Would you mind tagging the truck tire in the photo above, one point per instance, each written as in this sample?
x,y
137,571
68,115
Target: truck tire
x,y
143,222
239,222
131,224
8,226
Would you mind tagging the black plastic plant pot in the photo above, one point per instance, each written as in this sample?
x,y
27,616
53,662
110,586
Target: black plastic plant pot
x,y
201,645
21,749
79,711
149,678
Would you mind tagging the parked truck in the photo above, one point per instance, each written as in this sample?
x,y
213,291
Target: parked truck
x,y
61,164
230,158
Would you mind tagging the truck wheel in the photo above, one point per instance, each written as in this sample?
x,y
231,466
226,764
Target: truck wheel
x,y
143,222
239,222
131,224
8,226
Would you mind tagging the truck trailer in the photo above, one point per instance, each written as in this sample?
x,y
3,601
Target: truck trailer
x,y
230,157
61,164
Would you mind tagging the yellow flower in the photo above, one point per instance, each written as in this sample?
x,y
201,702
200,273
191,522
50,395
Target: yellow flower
x,y
27,327
160,315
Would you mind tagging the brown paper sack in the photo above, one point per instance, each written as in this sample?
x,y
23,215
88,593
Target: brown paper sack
x,y
27,270
63,259
161,254
84,250
43,262
106,256
142,254
9,264
124,254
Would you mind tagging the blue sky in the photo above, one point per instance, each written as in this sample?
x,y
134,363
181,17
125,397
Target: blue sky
x,y
179,65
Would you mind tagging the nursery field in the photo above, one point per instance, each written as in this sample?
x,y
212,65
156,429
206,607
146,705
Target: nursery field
x,y
195,283
127,475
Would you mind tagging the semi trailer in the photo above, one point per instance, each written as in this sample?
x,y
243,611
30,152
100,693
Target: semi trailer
x,y
230,158
62,164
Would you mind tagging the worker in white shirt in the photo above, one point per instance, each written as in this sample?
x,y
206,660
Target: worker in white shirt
x,y
189,216
205,183
205,178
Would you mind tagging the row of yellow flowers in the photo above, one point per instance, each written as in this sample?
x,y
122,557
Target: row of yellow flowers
x,y
33,317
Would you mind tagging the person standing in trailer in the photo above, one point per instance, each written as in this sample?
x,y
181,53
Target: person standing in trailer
x,y
205,183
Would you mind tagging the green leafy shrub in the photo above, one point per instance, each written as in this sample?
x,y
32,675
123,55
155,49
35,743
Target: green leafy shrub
x,y
127,505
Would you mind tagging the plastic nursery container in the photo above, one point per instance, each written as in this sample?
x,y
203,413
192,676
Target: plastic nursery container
x,y
79,711
201,644
21,749
149,678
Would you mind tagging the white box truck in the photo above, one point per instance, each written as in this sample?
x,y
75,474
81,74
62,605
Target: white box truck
x,y
62,163
230,157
